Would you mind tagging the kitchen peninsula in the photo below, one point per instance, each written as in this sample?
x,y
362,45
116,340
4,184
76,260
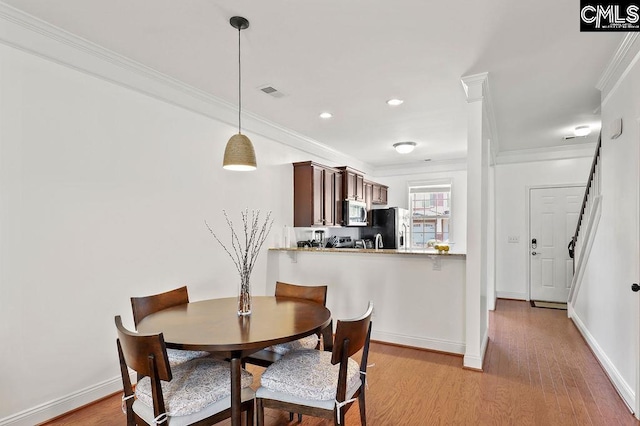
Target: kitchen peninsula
x,y
418,295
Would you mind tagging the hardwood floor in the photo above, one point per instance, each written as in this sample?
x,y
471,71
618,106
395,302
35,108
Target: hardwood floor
x,y
538,371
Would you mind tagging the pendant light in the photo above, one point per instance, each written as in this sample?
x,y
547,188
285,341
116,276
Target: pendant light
x,y
239,154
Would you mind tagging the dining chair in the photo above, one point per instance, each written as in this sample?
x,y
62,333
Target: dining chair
x,y
319,383
147,305
194,392
316,294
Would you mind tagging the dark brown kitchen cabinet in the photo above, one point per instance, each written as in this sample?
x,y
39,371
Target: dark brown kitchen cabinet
x,y
368,193
352,184
379,194
368,198
316,195
337,197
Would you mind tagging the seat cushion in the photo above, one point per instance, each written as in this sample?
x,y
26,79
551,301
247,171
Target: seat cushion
x,y
309,342
146,412
195,385
308,374
177,356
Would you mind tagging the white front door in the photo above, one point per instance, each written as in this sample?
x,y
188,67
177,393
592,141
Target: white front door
x,y
553,215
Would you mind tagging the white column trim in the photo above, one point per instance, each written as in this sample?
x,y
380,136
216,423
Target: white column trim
x,y
478,160
476,88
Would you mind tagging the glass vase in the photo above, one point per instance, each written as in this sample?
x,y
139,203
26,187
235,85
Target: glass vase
x,y
244,295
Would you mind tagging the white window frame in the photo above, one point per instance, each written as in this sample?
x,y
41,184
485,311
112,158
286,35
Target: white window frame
x,y
432,184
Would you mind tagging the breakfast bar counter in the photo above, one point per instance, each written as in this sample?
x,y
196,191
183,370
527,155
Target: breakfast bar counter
x,y
422,252
418,295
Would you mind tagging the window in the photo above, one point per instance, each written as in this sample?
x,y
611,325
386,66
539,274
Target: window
x,y
430,209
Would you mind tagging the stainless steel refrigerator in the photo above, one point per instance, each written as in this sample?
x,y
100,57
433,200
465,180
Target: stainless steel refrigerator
x,y
394,224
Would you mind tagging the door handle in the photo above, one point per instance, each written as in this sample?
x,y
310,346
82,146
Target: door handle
x,y
533,253
635,287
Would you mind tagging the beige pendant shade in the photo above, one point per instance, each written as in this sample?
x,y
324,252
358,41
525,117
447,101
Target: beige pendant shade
x,y
239,154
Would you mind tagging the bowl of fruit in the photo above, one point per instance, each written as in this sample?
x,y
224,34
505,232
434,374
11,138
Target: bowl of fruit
x,y
441,247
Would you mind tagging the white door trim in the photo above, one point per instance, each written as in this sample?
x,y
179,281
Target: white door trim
x,y
527,207
637,395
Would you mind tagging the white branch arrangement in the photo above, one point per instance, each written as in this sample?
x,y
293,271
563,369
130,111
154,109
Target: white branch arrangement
x,y
245,251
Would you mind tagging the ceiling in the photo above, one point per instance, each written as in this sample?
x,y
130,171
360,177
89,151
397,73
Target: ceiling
x,y
350,57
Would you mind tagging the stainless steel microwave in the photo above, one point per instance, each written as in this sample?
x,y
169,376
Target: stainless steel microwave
x,y
354,213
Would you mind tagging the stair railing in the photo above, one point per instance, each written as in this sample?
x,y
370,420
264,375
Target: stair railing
x,y
591,191
586,228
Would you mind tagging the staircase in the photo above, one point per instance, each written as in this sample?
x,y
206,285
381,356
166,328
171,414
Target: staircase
x,y
588,219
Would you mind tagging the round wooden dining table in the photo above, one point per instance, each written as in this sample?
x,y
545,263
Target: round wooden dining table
x,y
214,326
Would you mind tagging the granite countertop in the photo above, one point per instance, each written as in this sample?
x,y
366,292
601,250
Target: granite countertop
x,y
422,252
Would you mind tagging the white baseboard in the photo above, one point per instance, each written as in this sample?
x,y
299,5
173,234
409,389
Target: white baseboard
x,y
420,342
512,295
626,392
65,404
476,362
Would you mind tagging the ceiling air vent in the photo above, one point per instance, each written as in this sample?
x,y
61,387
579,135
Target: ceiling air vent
x,y
272,91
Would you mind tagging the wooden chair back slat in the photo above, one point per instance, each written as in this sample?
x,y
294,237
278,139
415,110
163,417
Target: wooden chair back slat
x,y
137,349
317,294
146,305
354,331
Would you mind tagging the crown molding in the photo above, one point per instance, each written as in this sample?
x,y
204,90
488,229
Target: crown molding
x,y
34,36
623,58
545,154
456,164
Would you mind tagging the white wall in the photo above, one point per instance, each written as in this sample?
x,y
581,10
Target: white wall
x,y
512,183
104,193
606,309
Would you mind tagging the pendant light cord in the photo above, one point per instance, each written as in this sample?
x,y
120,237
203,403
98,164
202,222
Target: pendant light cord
x,y
239,85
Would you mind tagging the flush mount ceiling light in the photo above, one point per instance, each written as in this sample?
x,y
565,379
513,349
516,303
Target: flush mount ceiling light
x,y
394,102
239,154
326,115
582,131
404,147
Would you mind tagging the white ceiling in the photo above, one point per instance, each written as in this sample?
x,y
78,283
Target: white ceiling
x,y
349,57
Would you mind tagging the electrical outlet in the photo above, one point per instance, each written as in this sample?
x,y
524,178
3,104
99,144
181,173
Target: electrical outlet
x,y
513,239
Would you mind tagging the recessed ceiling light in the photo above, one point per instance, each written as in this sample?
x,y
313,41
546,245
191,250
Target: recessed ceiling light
x,y
395,102
326,115
404,147
582,130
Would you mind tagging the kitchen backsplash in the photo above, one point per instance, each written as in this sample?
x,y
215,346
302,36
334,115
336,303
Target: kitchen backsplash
x,y
307,234
288,236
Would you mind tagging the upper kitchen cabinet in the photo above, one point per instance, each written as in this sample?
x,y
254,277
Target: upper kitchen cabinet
x,y
379,194
374,193
352,184
317,195
368,194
